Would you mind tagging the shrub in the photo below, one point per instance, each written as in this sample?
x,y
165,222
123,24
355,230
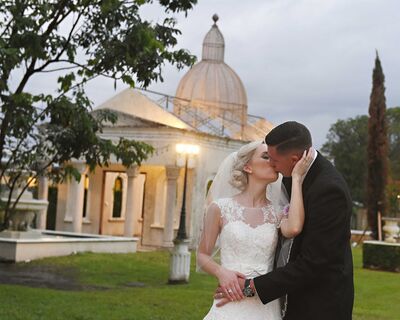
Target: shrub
x,y
382,256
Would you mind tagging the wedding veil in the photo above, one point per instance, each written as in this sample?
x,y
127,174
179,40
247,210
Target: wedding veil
x,y
222,188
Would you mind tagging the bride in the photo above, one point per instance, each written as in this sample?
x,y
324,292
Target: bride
x,y
245,214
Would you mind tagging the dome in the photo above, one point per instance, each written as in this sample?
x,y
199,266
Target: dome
x,y
212,89
213,44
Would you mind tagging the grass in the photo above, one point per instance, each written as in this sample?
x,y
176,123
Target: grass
x,y
376,292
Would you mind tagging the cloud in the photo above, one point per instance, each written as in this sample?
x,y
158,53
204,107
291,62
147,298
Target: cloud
x,y
308,60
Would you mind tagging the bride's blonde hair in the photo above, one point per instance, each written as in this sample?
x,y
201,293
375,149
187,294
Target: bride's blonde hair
x,y
239,177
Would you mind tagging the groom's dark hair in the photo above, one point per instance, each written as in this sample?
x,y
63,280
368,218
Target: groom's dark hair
x,y
289,136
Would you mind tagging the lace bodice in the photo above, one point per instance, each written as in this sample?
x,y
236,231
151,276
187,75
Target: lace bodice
x,y
247,241
248,237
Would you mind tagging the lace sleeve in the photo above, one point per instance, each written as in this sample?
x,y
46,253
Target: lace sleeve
x,y
283,214
218,203
229,211
208,245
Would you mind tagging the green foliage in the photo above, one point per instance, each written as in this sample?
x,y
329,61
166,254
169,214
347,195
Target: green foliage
x,y
393,121
346,146
375,291
377,149
381,256
393,199
79,40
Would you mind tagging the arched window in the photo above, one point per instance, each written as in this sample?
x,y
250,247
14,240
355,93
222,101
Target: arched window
x,y
117,204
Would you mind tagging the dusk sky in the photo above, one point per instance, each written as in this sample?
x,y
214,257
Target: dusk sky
x,y
304,60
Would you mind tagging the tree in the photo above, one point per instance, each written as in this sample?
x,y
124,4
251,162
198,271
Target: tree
x,y
393,123
79,40
346,146
377,150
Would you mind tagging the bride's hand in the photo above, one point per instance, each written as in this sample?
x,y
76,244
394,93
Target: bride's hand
x,y
228,281
303,164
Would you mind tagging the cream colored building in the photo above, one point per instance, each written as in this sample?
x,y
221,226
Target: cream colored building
x,y
210,110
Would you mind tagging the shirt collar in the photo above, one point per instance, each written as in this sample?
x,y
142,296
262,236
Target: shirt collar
x,y
312,162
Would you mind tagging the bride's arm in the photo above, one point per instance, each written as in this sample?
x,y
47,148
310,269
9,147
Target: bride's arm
x,y
293,225
211,229
228,279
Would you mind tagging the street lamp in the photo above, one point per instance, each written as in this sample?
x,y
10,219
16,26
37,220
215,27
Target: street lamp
x,y
186,150
180,256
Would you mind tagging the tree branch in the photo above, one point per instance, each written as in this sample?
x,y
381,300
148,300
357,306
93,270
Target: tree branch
x,y
58,69
31,69
53,24
13,154
27,184
11,187
6,27
56,59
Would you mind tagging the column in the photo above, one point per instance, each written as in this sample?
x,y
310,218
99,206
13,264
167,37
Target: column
x,y
132,173
43,192
172,177
75,197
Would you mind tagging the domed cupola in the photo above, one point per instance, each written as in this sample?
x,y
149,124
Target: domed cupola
x,y
211,96
213,44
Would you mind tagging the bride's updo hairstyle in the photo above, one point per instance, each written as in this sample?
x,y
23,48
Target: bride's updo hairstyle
x,y
239,177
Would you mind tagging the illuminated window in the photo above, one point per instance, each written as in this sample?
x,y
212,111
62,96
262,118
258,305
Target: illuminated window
x,y
117,191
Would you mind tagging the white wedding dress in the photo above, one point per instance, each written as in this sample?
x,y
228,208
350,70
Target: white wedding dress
x,y
247,242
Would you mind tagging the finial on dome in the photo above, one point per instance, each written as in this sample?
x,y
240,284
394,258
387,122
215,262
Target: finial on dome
x,y
215,18
214,44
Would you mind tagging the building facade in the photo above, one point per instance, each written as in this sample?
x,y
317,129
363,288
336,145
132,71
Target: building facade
x,y
210,111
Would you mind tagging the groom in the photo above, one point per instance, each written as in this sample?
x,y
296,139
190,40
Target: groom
x,y
318,278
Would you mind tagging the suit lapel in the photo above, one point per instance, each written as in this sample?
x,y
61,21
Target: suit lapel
x,y
308,180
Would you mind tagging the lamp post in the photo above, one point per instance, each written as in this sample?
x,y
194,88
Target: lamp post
x,y
180,256
185,150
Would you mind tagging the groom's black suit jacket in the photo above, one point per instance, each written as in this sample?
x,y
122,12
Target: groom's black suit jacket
x,y
319,276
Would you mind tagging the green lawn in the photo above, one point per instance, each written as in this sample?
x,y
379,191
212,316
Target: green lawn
x,y
377,293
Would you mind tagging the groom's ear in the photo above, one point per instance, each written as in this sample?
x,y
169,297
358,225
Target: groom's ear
x,y
294,158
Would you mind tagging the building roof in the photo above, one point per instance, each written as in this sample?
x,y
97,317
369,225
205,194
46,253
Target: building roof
x,y
212,88
210,99
134,103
